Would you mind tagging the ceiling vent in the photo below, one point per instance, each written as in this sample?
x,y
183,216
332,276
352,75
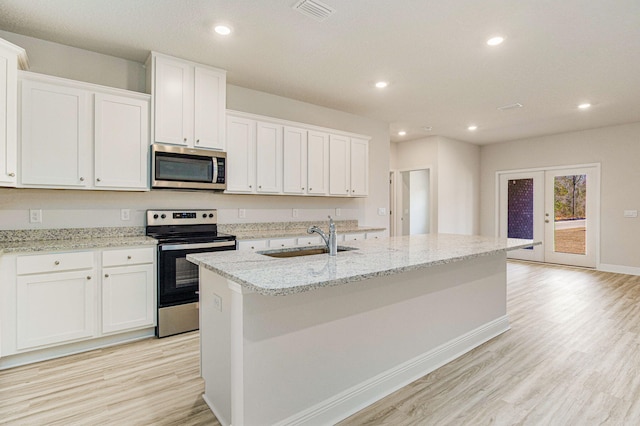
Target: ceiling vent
x,y
314,9
511,106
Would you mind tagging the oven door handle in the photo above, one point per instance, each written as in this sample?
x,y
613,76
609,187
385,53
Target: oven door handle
x,y
168,247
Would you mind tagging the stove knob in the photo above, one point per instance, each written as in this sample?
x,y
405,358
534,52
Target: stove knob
x,y
163,216
210,214
155,216
204,215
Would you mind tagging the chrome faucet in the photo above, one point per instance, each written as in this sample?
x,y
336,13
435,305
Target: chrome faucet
x,y
331,241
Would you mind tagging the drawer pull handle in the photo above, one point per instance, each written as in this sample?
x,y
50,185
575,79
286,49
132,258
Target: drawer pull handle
x,y
128,257
88,277
12,175
57,262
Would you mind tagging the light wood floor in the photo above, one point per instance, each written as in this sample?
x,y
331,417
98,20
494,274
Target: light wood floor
x,y
572,357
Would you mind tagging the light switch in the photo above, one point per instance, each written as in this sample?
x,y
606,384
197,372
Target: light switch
x,y
631,213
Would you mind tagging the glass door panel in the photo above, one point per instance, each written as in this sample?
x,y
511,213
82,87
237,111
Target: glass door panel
x,y
570,216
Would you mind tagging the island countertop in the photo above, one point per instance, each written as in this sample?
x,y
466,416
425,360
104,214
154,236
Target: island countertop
x,y
371,258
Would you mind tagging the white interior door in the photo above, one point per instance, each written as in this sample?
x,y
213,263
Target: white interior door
x,y
558,207
571,212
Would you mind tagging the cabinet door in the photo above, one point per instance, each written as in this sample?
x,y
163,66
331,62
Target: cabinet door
x,y
121,142
56,138
294,147
128,298
339,164
8,118
55,308
359,156
241,151
173,102
269,158
246,245
318,163
209,111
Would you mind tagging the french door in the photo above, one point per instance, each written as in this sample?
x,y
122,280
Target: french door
x,y
558,207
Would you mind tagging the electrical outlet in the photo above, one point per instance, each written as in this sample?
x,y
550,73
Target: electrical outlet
x,y
217,302
294,212
35,216
125,214
382,211
242,213
338,212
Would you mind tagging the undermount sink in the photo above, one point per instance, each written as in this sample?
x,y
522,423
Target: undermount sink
x,y
296,252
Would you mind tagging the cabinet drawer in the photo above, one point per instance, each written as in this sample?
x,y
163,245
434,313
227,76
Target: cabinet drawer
x,y
354,237
282,242
252,244
132,256
310,241
376,235
54,262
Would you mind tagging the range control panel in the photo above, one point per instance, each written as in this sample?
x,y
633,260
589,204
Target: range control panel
x,y
181,217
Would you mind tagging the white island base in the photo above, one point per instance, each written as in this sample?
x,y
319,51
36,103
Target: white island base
x,y
319,356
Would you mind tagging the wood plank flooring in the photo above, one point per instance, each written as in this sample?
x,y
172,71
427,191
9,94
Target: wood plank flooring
x,y
571,358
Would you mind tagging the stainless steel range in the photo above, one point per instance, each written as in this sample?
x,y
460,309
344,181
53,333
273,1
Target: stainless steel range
x,y
179,233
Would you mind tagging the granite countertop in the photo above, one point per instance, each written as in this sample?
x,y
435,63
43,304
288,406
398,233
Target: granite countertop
x,y
257,231
283,276
38,240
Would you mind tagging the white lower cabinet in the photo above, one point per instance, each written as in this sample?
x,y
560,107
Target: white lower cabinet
x,y
55,308
127,297
375,235
252,244
62,298
359,236
282,242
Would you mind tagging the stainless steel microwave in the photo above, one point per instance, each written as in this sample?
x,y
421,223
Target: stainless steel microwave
x,y
180,167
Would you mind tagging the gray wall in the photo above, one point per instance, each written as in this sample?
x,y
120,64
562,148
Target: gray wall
x,y
74,208
616,148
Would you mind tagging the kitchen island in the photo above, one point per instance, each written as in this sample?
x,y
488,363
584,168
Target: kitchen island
x,y
313,339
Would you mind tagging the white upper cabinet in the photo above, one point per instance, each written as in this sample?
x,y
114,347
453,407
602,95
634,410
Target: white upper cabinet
x,y
294,154
241,155
56,135
339,165
121,132
189,103
82,136
359,159
9,55
318,163
269,158
272,156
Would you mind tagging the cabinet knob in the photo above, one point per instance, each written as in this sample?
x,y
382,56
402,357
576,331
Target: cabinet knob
x,y
57,262
197,140
88,277
310,189
81,179
12,174
281,245
106,275
259,186
250,186
347,190
303,188
353,190
252,248
99,180
185,139
128,257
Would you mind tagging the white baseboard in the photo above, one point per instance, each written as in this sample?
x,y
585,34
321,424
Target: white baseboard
x,y
341,406
619,269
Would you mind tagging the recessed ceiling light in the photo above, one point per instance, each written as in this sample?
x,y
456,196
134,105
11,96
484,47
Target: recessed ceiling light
x,y
381,84
472,127
584,106
494,41
222,29
402,133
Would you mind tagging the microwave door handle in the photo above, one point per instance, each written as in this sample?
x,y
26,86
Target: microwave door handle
x,y
168,247
215,169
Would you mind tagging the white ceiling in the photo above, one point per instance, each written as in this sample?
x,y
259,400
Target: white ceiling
x,y
556,55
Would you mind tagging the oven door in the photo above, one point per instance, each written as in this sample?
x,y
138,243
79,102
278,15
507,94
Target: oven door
x,y
177,277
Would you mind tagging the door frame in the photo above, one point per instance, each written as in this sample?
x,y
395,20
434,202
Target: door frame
x,y
596,193
433,198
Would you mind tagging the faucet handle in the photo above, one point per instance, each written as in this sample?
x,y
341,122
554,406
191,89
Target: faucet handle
x,y
332,226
